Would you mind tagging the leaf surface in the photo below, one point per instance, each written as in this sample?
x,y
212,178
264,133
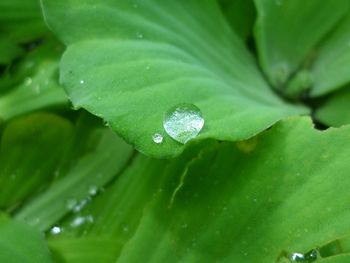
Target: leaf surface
x,y
287,31
20,243
130,62
335,111
30,152
331,68
283,191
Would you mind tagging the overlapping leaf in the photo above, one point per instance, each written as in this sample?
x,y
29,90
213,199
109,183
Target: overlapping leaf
x,y
284,191
22,243
130,61
335,111
287,33
331,68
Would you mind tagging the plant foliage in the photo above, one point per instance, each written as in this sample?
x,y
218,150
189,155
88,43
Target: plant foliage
x,y
85,86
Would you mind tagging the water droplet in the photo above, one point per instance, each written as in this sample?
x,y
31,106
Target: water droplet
x,y
125,228
77,208
28,81
82,81
308,257
148,67
55,230
139,35
93,190
71,203
183,122
157,138
80,220
295,257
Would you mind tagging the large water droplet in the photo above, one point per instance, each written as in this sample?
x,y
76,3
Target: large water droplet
x,y
157,138
183,122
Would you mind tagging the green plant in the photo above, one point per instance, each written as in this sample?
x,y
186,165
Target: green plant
x,y
226,137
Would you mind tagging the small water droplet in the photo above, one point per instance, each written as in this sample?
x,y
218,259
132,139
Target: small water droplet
x,y
183,122
80,220
157,138
71,203
125,228
77,208
295,257
28,81
308,257
93,190
55,230
148,67
139,35
82,81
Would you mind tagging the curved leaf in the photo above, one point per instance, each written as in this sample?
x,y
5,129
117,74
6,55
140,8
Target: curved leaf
x,y
31,150
89,174
284,191
129,62
20,243
85,250
335,111
331,68
287,30
278,196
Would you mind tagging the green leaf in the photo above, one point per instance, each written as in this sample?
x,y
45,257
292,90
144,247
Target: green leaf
x,y
287,31
249,204
30,152
35,93
331,68
21,21
85,250
335,111
240,14
246,202
89,174
20,243
336,259
130,62
8,50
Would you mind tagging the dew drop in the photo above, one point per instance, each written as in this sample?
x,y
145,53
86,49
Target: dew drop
x,y
297,257
82,81
80,205
71,203
157,138
55,230
183,122
125,228
139,35
93,190
28,81
308,257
